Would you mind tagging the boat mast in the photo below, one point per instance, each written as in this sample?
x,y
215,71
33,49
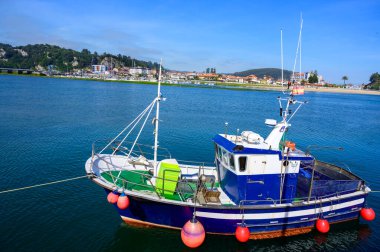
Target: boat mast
x,y
157,119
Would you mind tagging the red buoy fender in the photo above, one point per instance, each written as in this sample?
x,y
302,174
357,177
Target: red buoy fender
x,y
123,202
242,233
322,225
367,214
193,234
112,197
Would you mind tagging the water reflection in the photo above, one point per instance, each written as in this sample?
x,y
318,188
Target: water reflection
x,y
342,237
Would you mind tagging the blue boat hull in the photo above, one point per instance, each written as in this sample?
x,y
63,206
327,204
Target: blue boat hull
x,y
263,222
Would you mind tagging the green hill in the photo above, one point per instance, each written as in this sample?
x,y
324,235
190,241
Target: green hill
x,y
260,72
40,56
374,82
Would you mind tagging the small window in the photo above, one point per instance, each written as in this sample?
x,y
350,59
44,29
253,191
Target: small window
x,y
232,162
225,158
220,153
216,149
242,163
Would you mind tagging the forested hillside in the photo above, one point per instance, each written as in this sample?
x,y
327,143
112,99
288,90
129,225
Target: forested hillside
x,y
273,72
40,56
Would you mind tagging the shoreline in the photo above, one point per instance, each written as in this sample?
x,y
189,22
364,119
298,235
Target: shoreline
x,y
219,85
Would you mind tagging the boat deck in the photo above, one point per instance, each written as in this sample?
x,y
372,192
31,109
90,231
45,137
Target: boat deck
x,y
139,180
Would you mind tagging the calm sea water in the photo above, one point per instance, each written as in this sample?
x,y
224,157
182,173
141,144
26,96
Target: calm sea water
x,y
47,127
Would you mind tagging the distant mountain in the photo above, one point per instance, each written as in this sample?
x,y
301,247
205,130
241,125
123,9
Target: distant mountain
x,y
260,72
40,56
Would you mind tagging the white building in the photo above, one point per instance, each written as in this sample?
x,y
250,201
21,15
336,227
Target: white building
x,y
299,76
99,69
139,70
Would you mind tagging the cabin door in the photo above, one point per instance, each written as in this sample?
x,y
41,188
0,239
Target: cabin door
x,y
256,186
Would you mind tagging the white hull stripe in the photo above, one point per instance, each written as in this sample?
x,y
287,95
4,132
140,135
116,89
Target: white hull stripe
x,y
263,216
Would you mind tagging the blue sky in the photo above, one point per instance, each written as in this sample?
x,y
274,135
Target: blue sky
x,y
339,37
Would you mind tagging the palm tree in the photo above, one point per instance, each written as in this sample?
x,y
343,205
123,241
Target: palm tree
x,y
344,78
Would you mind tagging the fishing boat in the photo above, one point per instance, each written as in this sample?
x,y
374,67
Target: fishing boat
x,y
258,187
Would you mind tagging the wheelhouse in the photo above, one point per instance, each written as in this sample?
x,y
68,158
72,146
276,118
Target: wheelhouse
x,y
250,175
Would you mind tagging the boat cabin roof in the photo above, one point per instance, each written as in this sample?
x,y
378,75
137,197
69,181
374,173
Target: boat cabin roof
x,y
240,145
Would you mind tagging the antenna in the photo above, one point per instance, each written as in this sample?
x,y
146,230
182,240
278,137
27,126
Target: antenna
x,y
226,125
237,134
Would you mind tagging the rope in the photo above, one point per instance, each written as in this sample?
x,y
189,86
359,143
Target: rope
x,y
44,184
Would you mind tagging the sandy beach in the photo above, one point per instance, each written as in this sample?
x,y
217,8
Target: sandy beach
x,y
343,90
316,89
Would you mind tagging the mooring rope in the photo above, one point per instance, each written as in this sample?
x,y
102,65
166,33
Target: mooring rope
x,y
44,184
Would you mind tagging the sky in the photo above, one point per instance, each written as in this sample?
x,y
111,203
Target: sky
x,y
338,38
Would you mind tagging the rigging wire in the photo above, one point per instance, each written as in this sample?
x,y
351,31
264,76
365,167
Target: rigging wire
x,y
143,112
138,135
130,131
142,127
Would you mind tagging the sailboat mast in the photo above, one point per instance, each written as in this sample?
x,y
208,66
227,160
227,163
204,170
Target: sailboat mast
x,y
298,48
157,117
282,63
301,47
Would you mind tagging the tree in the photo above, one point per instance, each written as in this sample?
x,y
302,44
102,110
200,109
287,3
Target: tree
x,y
313,78
375,77
374,81
344,78
94,60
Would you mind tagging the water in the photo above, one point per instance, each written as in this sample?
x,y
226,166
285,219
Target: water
x,y
47,127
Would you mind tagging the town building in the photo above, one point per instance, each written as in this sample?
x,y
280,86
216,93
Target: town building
x,y
139,70
99,69
207,76
210,70
298,77
252,79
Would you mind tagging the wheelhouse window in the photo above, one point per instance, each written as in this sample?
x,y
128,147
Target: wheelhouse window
x,y
220,153
242,163
225,159
232,162
216,149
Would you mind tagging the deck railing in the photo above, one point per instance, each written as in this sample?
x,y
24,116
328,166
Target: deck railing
x,y
186,187
141,149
